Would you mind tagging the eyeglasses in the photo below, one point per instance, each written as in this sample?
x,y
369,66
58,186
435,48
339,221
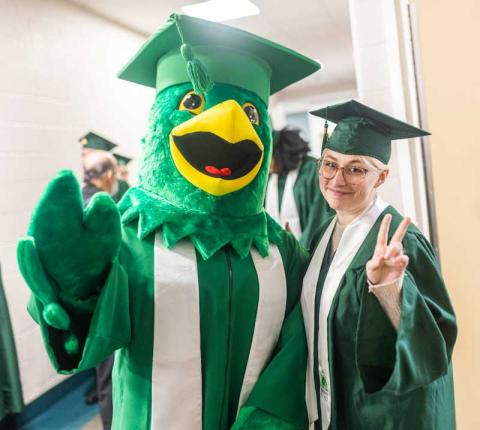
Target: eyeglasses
x,y
353,175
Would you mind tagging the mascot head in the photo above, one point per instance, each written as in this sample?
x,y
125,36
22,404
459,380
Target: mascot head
x,y
208,146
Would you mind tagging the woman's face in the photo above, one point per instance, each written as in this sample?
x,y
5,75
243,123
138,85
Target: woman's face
x,y
344,196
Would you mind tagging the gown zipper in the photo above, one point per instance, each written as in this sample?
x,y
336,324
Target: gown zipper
x,y
229,329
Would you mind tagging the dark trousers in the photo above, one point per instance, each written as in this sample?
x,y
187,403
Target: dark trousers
x,y
104,391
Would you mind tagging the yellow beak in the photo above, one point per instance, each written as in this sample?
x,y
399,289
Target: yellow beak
x,y
219,150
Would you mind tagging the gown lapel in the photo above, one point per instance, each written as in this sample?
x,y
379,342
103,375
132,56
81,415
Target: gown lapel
x,y
177,400
308,308
177,362
272,301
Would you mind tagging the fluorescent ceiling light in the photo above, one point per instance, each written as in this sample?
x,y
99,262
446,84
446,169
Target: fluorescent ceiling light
x,y
221,10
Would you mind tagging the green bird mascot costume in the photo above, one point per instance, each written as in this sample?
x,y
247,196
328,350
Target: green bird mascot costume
x,y
190,281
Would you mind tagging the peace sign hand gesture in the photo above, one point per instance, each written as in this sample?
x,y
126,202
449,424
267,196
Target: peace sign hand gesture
x,y
388,262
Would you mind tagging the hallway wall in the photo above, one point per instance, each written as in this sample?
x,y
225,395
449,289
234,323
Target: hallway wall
x,y
57,81
449,35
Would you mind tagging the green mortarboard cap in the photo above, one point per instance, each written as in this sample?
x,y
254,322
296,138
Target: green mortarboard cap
x,y
122,160
94,141
362,130
227,55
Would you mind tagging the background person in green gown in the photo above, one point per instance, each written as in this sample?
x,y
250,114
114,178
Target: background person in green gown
x,y
11,399
380,325
293,194
99,174
92,142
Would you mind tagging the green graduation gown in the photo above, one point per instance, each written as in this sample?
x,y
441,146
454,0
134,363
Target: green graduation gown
x,y
195,338
311,208
11,400
376,377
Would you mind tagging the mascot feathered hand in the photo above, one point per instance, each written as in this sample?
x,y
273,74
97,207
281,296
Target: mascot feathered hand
x,y
192,284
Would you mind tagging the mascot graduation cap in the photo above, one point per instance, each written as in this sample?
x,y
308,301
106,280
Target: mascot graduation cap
x,y
188,280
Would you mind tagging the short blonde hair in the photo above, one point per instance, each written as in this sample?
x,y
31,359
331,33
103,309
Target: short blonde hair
x,y
369,161
373,162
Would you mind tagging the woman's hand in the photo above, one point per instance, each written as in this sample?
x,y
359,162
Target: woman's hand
x,y
388,262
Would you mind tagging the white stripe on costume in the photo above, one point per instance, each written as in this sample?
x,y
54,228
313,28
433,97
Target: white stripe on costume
x,y
271,307
177,361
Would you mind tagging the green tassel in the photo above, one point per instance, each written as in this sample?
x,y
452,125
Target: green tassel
x,y
325,132
325,135
196,71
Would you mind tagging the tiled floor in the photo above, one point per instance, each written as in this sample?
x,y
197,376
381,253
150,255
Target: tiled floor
x,y
69,413
94,424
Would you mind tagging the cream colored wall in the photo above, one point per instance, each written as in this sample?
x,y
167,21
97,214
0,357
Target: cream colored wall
x,y
449,37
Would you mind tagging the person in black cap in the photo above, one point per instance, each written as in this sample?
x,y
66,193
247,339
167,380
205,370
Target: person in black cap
x,y
293,196
379,322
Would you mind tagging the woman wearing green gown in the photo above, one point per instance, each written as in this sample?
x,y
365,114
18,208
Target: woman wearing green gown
x,y
380,326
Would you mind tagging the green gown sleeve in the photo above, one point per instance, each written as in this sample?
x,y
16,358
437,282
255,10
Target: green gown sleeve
x,y
100,333
11,399
397,363
312,208
278,397
251,418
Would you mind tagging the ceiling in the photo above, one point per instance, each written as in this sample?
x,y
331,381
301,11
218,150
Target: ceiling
x,y
317,28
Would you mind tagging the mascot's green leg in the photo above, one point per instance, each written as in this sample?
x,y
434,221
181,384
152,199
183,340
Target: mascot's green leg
x,y
255,419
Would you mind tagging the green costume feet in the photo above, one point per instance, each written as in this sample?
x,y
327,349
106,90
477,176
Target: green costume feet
x,y
68,251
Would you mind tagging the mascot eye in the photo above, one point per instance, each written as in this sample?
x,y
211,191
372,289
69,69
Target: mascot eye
x,y
252,113
192,102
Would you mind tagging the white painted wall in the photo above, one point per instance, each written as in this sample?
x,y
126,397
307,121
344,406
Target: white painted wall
x,y
57,81
385,80
282,107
